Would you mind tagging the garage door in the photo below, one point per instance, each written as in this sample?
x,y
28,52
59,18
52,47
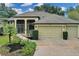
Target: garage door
x,y
72,32
50,32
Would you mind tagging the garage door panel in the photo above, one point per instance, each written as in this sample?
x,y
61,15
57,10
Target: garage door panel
x,y
56,32
72,32
50,32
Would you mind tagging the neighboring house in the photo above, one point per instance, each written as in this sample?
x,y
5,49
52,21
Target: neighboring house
x,y
49,26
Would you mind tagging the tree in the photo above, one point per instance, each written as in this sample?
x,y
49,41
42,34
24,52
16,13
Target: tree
x,y
77,8
9,29
11,12
73,13
6,11
49,9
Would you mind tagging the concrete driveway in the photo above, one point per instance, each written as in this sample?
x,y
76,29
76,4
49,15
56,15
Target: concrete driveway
x,y
57,47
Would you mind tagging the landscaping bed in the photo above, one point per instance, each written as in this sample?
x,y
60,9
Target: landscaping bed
x,y
17,47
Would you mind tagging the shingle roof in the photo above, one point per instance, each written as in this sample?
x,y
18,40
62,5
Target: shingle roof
x,y
47,17
56,19
34,13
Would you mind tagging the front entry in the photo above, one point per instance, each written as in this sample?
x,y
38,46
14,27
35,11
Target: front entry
x,y
20,26
30,25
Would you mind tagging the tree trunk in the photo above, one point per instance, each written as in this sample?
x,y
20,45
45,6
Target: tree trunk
x,y
9,37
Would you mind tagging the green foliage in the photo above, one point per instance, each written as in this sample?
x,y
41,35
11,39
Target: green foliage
x,y
9,28
73,13
16,39
11,13
77,8
29,48
49,9
3,40
6,11
5,27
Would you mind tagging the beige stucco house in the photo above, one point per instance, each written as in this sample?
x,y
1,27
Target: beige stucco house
x,y
48,25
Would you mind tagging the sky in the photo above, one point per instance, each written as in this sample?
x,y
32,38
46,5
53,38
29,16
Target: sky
x,y
26,7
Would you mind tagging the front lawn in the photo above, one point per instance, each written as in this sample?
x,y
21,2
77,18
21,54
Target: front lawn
x,y
3,40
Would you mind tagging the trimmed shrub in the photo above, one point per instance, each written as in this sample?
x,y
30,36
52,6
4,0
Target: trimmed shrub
x,y
29,48
16,39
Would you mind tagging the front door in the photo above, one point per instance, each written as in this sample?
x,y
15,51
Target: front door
x,y
20,26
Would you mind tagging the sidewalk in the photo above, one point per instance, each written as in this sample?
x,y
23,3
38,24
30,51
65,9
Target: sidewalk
x,y
21,36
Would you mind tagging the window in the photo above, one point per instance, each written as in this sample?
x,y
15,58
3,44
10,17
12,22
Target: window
x,y
30,24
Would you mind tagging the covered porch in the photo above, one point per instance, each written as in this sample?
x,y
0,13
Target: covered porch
x,y
23,26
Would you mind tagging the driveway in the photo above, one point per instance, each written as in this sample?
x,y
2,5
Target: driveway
x,y
57,47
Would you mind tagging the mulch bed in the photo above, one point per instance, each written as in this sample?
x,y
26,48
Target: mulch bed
x,y
14,46
11,49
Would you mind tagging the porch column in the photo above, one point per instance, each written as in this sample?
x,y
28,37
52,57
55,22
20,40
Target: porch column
x,y
15,23
78,31
25,27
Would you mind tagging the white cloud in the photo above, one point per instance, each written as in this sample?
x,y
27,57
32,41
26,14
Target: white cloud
x,y
63,8
26,4
9,4
29,10
39,4
19,11
74,7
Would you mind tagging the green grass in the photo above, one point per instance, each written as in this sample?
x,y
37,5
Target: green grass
x,y
3,39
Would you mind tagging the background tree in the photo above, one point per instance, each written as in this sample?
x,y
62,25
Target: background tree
x,y
6,11
73,13
77,8
50,9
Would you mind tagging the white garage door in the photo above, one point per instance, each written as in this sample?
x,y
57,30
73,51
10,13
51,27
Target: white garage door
x,y
50,32
72,32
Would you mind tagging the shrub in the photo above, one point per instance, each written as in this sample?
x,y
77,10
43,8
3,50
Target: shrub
x,y
29,48
16,39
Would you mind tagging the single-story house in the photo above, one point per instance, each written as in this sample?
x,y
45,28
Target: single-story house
x,y
48,25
